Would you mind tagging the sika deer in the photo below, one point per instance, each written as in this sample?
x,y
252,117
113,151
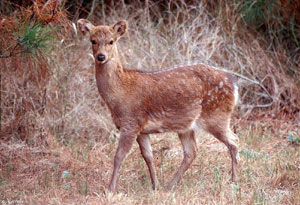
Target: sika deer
x,y
178,100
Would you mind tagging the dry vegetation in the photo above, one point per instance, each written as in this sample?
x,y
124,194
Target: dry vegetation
x,y
57,140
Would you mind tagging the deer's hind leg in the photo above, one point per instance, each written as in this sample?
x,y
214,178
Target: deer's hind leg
x,y
189,150
221,130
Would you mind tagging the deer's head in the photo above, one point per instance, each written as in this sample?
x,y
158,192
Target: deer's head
x,y
103,38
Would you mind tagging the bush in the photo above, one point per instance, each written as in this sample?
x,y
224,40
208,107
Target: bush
x,y
279,22
26,40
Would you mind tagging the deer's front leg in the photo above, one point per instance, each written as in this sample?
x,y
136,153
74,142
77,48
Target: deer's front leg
x,y
125,143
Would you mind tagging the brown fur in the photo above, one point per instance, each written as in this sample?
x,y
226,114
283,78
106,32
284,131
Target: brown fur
x,y
177,100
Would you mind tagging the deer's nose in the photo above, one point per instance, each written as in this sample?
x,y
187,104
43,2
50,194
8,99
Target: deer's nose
x,y
101,57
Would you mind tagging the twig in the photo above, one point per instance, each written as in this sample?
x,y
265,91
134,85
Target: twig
x,y
254,82
11,53
92,9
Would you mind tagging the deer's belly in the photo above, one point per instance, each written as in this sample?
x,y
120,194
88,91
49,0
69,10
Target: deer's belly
x,y
170,124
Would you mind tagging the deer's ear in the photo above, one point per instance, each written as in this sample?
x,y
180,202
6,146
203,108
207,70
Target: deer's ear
x,y
84,26
120,27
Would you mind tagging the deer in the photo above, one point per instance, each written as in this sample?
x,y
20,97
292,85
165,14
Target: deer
x,y
181,100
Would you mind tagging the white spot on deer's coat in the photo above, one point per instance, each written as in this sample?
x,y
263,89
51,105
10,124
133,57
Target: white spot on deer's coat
x,y
209,92
221,84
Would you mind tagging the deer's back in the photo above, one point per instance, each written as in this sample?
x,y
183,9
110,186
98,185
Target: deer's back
x,y
171,100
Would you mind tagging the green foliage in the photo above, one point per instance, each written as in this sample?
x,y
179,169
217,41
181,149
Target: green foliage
x,y
273,18
259,197
35,38
278,21
250,154
292,139
260,12
66,174
217,176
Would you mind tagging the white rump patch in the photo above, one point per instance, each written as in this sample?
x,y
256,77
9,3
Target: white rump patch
x,y
236,94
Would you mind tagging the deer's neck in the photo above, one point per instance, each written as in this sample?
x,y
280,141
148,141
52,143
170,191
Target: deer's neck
x,y
108,77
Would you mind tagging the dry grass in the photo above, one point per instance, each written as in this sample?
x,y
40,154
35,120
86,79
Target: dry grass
x,y
268,172
59,141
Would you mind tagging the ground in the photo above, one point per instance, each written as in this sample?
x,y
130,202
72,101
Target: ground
x,y
79,174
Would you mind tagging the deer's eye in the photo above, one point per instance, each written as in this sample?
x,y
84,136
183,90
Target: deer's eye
x,y
111,42
93,42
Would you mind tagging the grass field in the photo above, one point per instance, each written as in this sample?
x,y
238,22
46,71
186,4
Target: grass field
x,y
268,171
57,140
